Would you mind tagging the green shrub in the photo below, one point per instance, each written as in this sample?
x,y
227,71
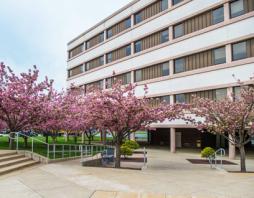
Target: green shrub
x,y
126,151
131,144
207,151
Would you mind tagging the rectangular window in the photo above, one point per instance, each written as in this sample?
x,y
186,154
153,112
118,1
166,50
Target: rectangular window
x,y
178,30
218,15
127,23
95,40
165,69
76,70
164,5
179,65
138,18
138,75
75,51
239,51
97,62
164,36
109,57
237,8
237,93
101,37
128,50
165,99
174,2
219,55
138,46
221,94
109,33
180,98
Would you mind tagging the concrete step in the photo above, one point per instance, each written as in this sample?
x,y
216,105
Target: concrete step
x,y
7,153
14,161
16,167
11,157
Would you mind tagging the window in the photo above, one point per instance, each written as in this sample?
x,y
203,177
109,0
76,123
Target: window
x,y
101,60
87,44
176,1
138,46
109,33
220,94
218,15
128,50
178,30
128,78
236,8
179,65
101,37
219,55
164,5
180,98
165,99
138,75
138,17
239,50
164,36
109,57
237,93
165,69
109,83
127,23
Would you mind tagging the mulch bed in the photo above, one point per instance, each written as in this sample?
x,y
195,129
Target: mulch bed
x,y
241,172
132,159
139,152
204,161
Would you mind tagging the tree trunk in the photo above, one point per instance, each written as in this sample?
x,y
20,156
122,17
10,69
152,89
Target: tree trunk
x,y
11,141
89,140
47,138
243,158
75,138
118,155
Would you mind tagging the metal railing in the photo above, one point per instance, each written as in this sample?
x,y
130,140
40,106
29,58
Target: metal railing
x,y
145,158
56,151
214,158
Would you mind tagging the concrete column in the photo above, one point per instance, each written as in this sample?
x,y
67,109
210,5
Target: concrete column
x,y
105,59
228,53
132,48
132,136
105,35
231,150
104,84
132,20
171,67
170,3
230,93
172,140
226,12
170,33
132,77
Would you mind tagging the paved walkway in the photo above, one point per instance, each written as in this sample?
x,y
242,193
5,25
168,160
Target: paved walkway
x,y
167,175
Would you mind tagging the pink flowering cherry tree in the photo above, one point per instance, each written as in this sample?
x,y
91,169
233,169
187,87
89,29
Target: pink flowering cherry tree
x,y
21,99
119,112
232,119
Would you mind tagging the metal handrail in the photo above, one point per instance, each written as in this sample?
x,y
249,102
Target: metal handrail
x,y
220,152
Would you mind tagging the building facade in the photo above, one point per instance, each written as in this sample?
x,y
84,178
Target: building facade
x,y
177,48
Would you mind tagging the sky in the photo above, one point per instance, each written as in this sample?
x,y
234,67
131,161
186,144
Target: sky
x,y
36,32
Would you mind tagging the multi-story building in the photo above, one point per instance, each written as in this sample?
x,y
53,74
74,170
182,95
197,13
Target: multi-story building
x,y
176,47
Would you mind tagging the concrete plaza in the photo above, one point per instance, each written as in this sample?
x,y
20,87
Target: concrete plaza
x,y
167,175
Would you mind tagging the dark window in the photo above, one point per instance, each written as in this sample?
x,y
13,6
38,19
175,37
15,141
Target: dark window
x,y
219,55
138,46
109,33
176,1
237,8
180,98
101,60
239,50
127,23
164,5
138,18
87,44
237,93
101,37
165,99
218,15
221,94
138,75
178,30
165,69
128,50
164,36
179,65
109,57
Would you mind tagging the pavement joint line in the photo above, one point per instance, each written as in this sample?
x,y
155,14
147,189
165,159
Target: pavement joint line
x,y
37,193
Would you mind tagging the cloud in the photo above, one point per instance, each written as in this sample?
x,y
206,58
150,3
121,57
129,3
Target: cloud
x,y
35,32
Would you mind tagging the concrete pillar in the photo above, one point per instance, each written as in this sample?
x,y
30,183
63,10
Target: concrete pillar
x,y
132,77
226,12
170,4
132,48
170,33
231,150
105,59
172,140
132,20
228,53
132,136
105,35
171,67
